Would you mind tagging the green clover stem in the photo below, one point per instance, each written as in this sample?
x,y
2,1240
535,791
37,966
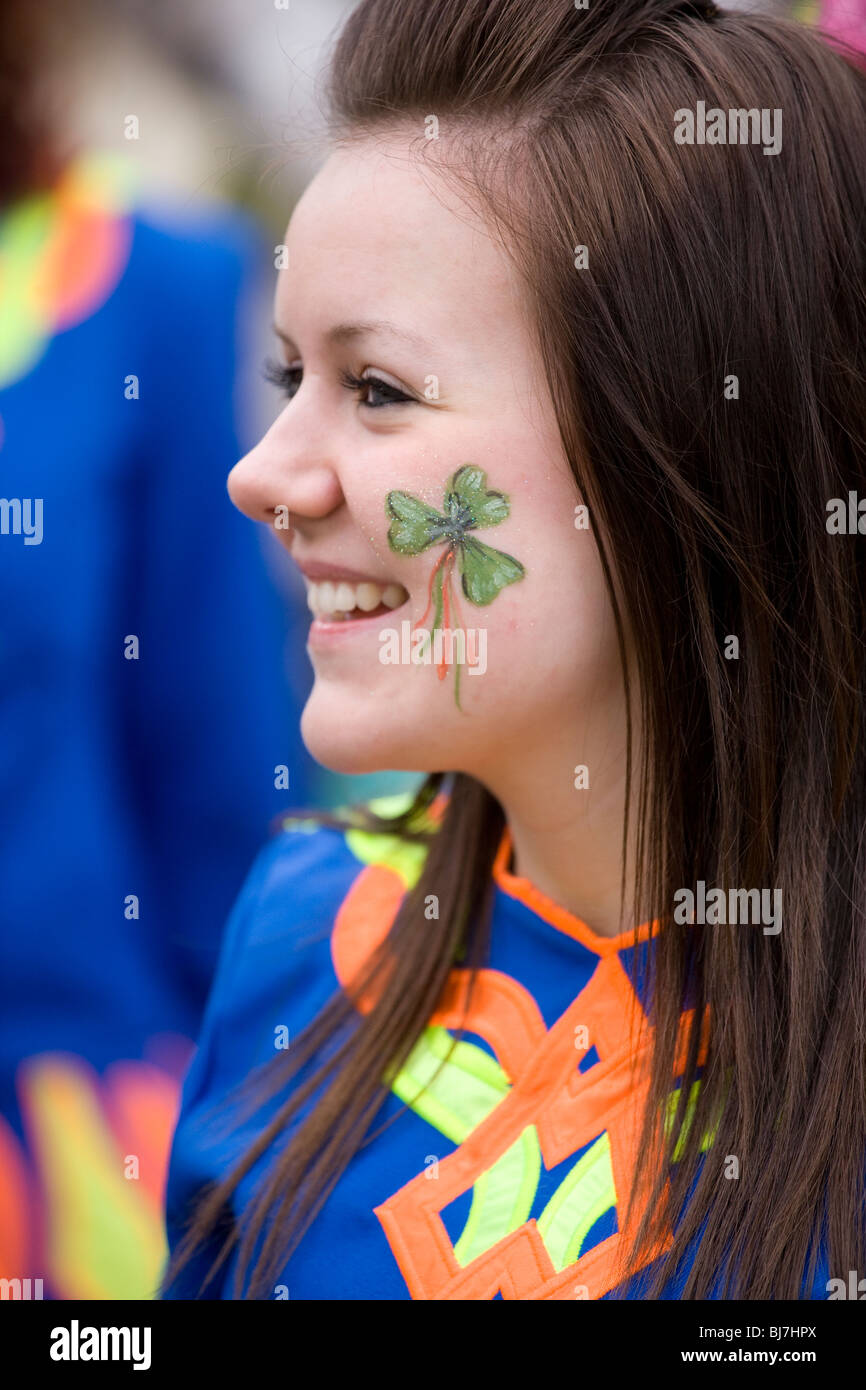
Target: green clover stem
x,y
469,505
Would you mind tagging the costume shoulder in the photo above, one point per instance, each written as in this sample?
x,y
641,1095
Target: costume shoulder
x,y
308,870
278,954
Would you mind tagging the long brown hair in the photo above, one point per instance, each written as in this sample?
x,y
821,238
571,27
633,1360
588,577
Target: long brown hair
x,y
706,264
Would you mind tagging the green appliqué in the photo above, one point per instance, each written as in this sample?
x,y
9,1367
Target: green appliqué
x,y
469,506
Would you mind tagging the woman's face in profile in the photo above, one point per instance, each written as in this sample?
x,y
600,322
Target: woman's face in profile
x,y
389,486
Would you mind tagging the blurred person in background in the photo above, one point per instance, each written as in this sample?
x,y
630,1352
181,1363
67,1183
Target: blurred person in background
x,y
845,21
148,730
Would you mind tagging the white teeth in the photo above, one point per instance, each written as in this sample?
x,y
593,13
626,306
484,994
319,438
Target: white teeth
x,y
368,597
344,598
394,595
327,600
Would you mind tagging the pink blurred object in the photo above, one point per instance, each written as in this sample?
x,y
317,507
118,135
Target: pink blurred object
x,y
845,20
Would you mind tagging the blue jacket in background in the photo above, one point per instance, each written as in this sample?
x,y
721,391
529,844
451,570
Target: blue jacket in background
x,y
148,779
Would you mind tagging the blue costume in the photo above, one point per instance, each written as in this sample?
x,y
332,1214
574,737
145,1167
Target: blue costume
x,y
496,1169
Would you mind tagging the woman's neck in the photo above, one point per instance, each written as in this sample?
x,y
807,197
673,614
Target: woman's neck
x,y
568,839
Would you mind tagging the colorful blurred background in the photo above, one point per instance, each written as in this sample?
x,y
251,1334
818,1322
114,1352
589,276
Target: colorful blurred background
x,y
152,650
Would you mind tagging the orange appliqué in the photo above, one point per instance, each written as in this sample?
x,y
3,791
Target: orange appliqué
x,y
568,1108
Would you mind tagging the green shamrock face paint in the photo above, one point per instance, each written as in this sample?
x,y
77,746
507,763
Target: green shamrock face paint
x,y
484,572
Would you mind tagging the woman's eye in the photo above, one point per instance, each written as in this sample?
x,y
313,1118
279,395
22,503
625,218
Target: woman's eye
x,y
376,392
287,378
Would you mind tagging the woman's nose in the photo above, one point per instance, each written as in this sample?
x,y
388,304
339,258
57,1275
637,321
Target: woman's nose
x,y
275,483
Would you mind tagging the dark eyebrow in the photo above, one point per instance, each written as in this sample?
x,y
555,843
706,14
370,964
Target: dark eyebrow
x,y
347,332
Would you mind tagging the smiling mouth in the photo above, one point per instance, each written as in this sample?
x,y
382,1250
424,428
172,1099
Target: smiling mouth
x,y
344,602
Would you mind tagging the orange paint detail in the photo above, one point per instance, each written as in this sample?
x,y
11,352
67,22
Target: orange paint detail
x,y
461,625
568,1108
433,573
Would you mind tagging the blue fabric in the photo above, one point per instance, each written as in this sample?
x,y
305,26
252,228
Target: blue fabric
x,y
276,970
152,777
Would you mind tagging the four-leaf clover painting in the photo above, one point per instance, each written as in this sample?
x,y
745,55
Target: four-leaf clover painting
x,y
484,572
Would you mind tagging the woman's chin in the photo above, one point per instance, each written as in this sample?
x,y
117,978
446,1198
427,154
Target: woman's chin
x,y
354,736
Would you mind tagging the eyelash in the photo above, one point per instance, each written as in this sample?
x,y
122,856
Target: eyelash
x,y
284,377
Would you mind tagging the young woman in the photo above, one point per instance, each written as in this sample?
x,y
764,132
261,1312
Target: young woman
x,y
572,336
